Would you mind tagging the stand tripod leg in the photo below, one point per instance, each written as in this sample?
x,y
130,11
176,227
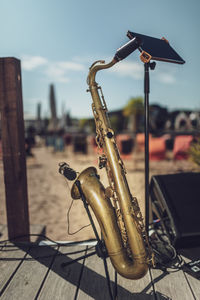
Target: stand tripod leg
x,y
112,294
87,210
115,287
100,248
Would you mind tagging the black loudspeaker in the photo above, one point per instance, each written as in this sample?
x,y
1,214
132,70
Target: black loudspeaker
x,y
175,200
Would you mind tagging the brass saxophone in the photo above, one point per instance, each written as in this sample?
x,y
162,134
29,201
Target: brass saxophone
x,y
116,211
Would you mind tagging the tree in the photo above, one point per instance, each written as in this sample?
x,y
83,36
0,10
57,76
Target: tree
x,y
134,110
116,123
87,123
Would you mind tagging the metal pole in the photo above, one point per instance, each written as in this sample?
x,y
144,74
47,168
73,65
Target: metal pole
x,y
146,103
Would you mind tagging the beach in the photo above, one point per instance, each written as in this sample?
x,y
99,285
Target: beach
x,y
49,193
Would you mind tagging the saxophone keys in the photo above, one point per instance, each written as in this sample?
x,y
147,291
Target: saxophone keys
x,y
102,161
109,192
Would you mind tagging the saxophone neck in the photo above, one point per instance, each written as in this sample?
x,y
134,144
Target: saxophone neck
x,y
95,67
121,53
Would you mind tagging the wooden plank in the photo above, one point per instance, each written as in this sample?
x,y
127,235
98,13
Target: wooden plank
x,y
27,281
94,283
62,283
9,268
172,285
189,255
13,147
140,289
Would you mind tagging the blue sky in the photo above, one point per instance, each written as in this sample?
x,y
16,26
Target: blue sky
x,y
58,40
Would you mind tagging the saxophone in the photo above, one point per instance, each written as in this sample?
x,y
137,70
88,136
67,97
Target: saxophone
x,y
115,209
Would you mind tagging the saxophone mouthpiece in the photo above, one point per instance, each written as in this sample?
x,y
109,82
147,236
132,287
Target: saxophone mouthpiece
x,y
128,48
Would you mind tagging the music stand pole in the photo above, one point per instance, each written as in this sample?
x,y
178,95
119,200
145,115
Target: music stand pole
x,y
146,127
155,49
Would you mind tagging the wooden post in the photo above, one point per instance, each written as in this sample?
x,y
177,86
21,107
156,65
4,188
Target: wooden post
x,y
13,148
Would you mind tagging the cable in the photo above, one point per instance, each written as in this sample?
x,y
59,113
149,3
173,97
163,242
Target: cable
x,y
166,256
68,221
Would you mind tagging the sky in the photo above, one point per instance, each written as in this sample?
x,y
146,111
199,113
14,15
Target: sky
x,y
58,40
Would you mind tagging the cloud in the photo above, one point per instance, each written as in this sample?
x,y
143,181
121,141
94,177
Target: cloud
x,y
135,70
60,71
57,71
166,78
69,65
30,63
129,69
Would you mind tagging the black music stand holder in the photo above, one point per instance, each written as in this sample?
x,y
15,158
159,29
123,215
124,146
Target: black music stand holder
x,y
100,249
151,49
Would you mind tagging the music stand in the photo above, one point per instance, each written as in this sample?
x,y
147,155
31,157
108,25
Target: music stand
x,y
152,49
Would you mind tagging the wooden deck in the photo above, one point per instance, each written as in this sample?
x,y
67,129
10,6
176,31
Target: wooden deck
x,y
34,271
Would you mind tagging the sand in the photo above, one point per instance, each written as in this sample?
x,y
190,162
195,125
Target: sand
x,y
49,192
